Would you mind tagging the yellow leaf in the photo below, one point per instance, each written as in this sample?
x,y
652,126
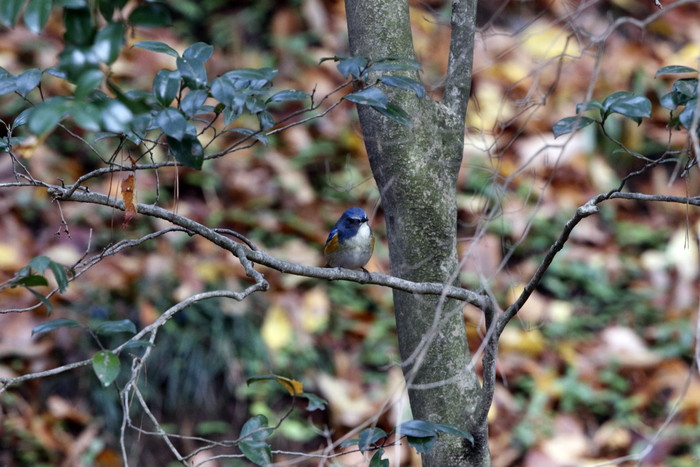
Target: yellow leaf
x,y
292,385
314,310
276,329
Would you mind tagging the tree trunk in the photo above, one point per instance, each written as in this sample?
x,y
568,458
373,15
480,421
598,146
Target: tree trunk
x,y
416,172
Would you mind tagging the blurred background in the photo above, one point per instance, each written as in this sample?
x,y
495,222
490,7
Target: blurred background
x,y
598,358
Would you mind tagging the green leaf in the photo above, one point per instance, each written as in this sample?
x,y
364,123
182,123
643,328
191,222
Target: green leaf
x,y
107,7
266,120
137,343
108,42
258,452
352,66
27,81
37,14
369,437
59,273
253,446
9,9
673,69
80,29
569,124
198,52
422,445
115,327
106,366
193,101
193,72
396,113
416,428
589,105
22,118
166,85
87,116
151,15
288,95
172,123
628,105
377,460
88,81
32,280
188,151
42,299
256,428
453,430
687,87
155,46
46,115
686,116
116,116
55,324
251,77
669,101
8,83
402,82
315,402
394,65
370,96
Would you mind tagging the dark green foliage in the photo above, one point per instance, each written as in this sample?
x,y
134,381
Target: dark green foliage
x,y
684,93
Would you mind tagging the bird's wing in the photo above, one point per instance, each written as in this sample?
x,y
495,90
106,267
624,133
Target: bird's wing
x,y
331,242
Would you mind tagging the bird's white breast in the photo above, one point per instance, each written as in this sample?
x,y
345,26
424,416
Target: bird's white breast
x,y
364,234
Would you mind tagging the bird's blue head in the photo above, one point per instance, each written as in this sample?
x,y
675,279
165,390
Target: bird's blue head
x,y
350,222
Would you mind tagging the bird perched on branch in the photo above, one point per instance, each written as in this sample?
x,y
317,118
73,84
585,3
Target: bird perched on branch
x,y
350,243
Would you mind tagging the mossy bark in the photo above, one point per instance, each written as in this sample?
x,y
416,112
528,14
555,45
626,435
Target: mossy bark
x,y
416,171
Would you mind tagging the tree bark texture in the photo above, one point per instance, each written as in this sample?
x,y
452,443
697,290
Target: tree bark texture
x,y
416,172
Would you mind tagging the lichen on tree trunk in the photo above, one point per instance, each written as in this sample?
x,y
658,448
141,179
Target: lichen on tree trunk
x,y
416,172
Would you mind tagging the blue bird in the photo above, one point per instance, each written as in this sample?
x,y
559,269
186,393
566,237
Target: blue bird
x,y
350,243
